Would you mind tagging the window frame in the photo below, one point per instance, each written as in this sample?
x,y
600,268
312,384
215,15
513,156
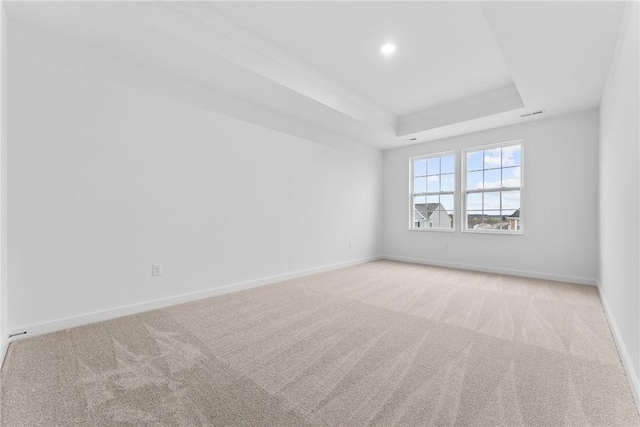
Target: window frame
x,y
463,187
412,194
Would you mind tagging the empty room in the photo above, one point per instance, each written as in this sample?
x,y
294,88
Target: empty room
x,y
292,213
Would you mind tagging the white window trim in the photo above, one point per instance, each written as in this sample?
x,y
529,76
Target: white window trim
x,y
455,174
463,186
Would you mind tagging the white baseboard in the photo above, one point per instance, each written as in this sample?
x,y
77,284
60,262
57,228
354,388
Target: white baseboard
x,y
507,271
632,377
71,322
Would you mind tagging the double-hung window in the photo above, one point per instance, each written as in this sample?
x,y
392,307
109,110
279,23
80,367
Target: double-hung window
x,y
432,192
493,188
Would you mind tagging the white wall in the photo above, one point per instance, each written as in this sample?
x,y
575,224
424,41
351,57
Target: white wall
x,y
3,184
559,204
106,179
620,196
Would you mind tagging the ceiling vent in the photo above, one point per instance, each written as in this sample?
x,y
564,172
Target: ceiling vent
x,y
535,113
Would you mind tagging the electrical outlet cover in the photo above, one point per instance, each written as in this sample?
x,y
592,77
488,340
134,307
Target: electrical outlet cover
x,y
156,269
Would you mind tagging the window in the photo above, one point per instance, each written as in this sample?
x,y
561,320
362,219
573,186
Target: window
x,y
432,192
493,188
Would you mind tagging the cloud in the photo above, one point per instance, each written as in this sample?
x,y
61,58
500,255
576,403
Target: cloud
x,y
507,181
511,155
492,160
502,157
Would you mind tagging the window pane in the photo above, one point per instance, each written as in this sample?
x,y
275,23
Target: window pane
x,y
474,180
433,166
420,185
510,213
440,218
429,212
474,219
474,202
433,199
447,164
513,217
447,202
433,183
492,178
511,155
494,220
474,161
447,182
511,177
420,167
492,158
492,200
510,200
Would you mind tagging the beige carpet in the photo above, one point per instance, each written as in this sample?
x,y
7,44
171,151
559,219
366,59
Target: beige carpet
x,y
383,343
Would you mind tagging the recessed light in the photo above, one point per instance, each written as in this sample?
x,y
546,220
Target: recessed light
x,y
388,48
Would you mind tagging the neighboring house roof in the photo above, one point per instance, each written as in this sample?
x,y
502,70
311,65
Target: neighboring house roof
x,y
516,214
426,209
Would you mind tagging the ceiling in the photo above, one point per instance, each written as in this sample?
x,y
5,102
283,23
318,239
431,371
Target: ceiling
x,y
435,62
459,67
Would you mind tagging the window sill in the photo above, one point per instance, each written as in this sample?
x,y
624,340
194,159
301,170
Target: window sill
x,y
504,233
437,230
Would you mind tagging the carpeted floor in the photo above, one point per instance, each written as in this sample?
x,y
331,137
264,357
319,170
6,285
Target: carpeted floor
x,y
383,343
